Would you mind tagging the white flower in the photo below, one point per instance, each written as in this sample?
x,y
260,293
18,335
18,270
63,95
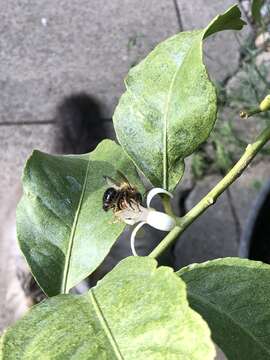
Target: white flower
x,y
136,213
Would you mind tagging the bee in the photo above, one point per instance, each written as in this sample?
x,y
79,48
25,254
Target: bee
x,y
120,194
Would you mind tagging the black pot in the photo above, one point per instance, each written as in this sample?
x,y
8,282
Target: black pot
x,y
255,240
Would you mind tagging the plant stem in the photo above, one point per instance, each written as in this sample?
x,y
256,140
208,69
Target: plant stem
x,y
211,197
248,113
167,205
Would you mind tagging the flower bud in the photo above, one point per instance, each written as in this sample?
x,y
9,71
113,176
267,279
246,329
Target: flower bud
x,y
265,104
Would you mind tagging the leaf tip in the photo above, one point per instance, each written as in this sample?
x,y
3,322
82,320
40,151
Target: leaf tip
x,y
229,20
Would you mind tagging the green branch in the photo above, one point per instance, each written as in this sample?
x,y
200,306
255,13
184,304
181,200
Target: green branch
x,y
211,197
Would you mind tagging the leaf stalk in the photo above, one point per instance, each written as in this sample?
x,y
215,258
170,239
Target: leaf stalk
x,y
167,205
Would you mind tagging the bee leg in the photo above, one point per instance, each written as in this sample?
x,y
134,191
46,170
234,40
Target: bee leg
x,y
129,202
123,200
118,204
138,207
121,204
137,203
116,220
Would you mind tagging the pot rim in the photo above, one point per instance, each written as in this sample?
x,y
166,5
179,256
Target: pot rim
x,y
246,236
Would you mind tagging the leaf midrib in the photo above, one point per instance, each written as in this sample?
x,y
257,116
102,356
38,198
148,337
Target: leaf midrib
x,y
64,288
225,314
104,324
165,117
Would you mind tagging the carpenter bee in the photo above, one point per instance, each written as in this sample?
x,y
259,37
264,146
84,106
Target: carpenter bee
x,y
120,194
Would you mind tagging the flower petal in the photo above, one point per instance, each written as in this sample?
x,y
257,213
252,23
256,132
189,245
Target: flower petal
x,y
133,236
153,192
160,220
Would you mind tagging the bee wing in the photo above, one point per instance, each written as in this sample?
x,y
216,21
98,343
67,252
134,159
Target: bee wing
x,y
111,182
123,177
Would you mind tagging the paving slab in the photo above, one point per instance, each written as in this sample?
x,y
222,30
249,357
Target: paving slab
x,y
17,143
212,235
13,302
51,49
222,49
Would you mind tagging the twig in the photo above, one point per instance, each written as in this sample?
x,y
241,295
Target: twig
x,y
211,197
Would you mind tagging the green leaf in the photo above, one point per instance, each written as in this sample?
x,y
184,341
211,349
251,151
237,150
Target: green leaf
x,y
62,229
232,295
256,10
230,20
136,312
169,107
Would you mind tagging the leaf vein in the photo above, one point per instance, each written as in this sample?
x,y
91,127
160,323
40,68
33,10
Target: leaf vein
x,y
165,126
72,235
